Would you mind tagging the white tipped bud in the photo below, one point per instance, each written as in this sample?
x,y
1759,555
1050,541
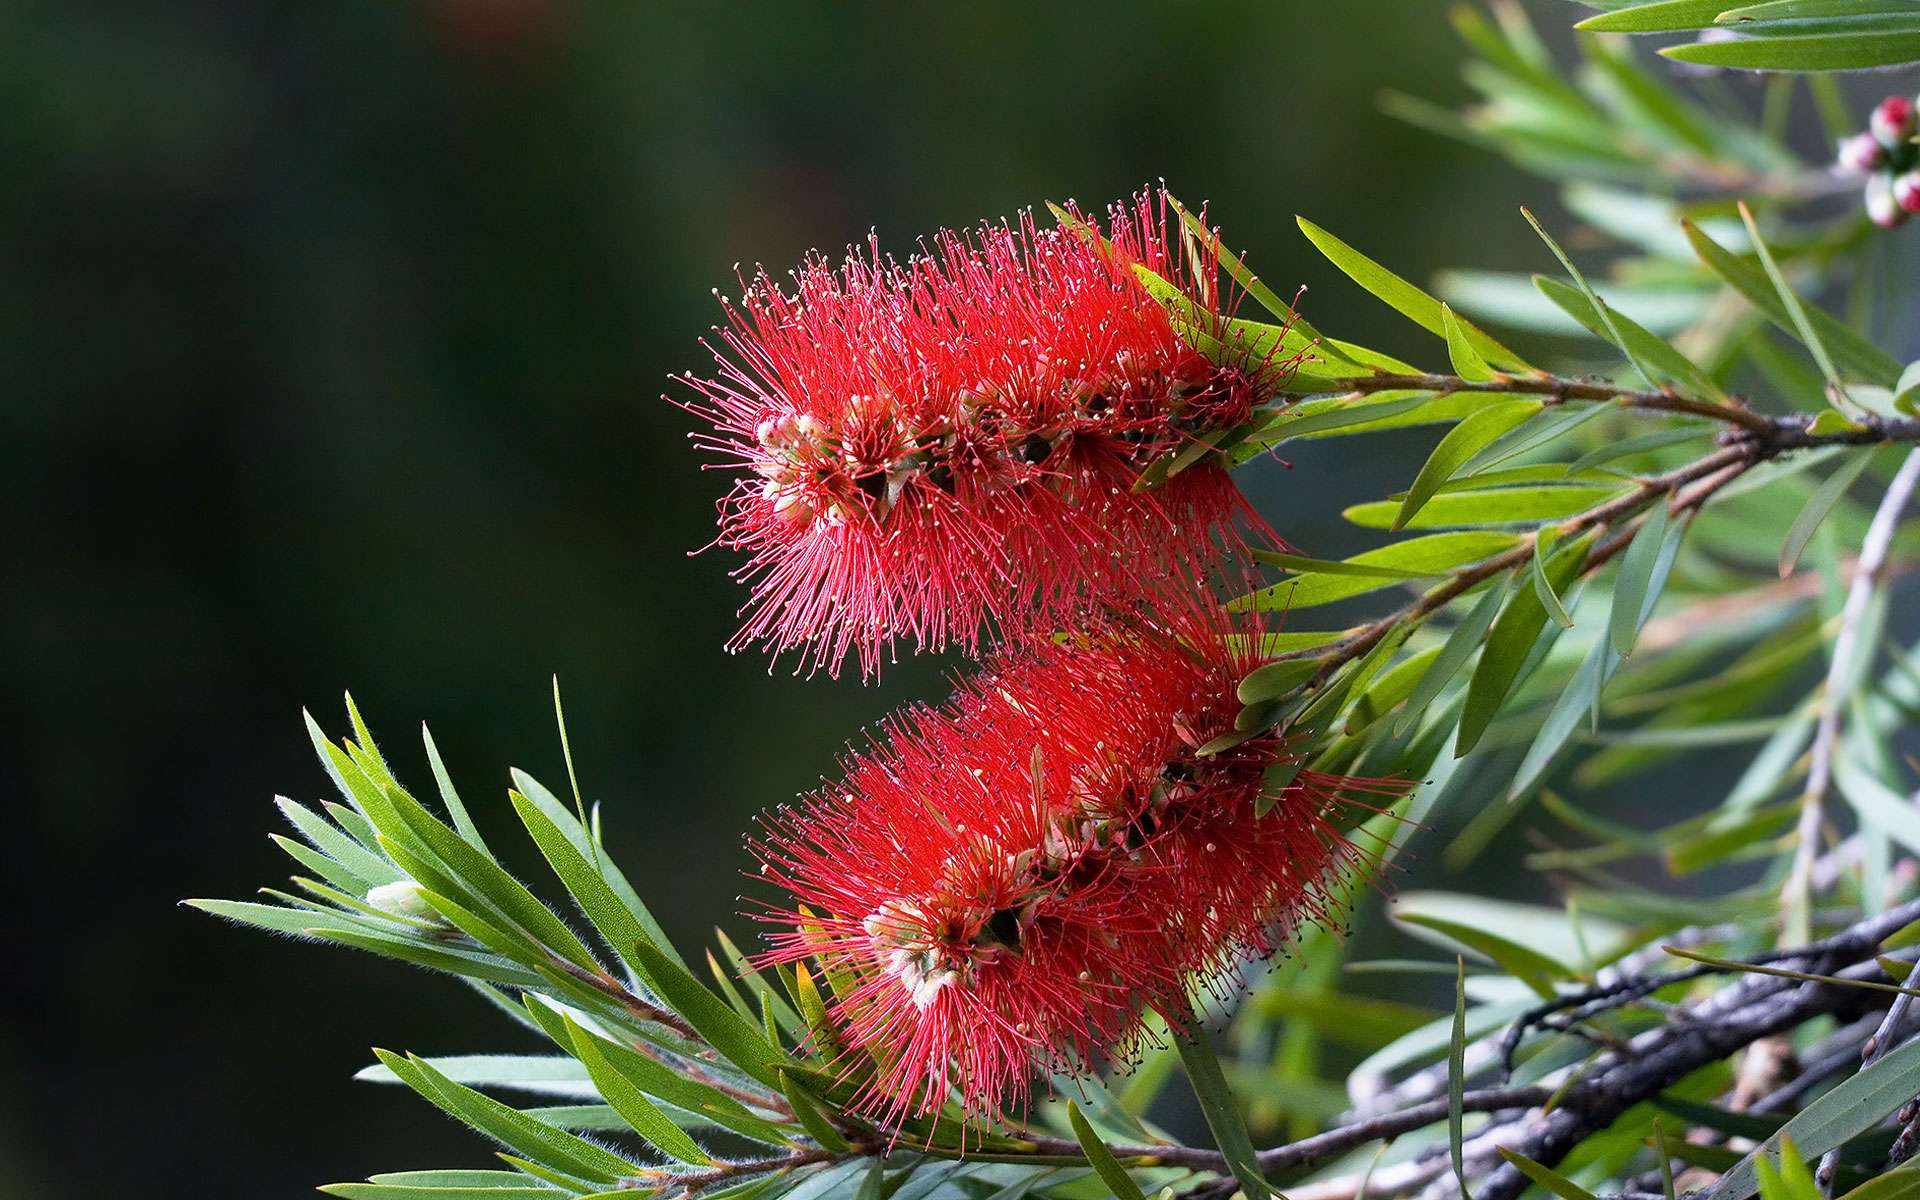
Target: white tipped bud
x,y
401,898
1893,121
1882,208
1906,191
1862,154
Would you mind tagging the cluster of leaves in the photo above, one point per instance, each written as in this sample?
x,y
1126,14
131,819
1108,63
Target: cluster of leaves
x,y
1582,601
1778,35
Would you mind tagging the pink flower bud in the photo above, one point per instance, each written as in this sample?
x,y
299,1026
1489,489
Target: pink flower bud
x,y
1882,208
1862,153
1906,191
1892,122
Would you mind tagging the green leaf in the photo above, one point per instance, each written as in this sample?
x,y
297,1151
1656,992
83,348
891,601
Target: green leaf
x,y
1462,442
1580,697
1101,1159
1395,685
1371,570
1508,647
400,817
1900,1184
1457,1079
1643,574
587,843
1613,330
1856,1105
1277,679
742,1043
1627,447
1531,967
1459,647
1850,51
1301,564
387,1191
546,1074
610,918
1546,1177
1549,599
1850,351
1906,392
1796,312
626,1098
1494,507
1405,298
1354,413
1818,505
1467,363
1221,1110
451,797
1640,345
664,1084
336,845
1725,837
806,1110
1659,17
1878,805
1236,268
550,1147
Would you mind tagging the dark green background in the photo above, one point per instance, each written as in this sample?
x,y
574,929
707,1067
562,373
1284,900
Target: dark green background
x,y
332,338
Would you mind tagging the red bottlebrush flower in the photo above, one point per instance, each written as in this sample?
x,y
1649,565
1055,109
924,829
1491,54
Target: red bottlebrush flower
x,y
932,446
1012,880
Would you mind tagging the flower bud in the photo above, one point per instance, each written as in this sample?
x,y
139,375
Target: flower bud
x,y
402,898
1862,154
1882,208
1893,122
1906,190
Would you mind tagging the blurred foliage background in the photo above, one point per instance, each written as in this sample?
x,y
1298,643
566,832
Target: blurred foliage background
x,y
334,337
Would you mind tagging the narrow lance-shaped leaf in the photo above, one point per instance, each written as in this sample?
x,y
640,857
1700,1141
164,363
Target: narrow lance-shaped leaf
x,y
1599,306
1632,591
1545,1176
1580,696
1467,363
1508,647
1796,312
1849,350
1457,1079
1844,1112
1221,1110
1549,598
1848,51
1405,298
1635,340
1459,647
540,1142
1661,16
632,1104
1462,442
1533,968
1818,505
1494,507
1101,1159
1370,570
747,1047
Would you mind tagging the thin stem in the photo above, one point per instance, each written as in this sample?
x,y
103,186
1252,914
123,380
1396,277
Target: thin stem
x,y
1796,896
1558,389
1467,578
